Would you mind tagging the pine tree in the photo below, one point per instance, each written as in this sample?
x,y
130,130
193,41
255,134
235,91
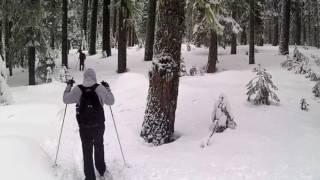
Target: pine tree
x,y
316,89
106,42
285,27
5,94
64,34
158,125
93,28
260,87
251,32
151,22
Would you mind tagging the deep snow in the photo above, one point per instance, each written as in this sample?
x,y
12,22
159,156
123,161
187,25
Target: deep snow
x,y
271,142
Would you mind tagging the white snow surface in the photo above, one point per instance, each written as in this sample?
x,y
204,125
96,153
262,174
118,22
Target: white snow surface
x,y
277,142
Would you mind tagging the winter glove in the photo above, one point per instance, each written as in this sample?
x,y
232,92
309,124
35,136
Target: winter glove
x,y
105,84
70,82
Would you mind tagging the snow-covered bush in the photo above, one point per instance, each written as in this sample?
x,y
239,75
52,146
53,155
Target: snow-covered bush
x,y
316,89
304,105
299,63
193,71
64,74
5,94
260,87
221,115
46,65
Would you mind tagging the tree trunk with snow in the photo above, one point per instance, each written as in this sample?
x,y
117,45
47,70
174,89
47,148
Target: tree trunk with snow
x,y
106,42
213,52
151,24
122,38
159,119
285,27
251,33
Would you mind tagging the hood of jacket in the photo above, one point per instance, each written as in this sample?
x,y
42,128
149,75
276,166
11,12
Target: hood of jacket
x,y
89,78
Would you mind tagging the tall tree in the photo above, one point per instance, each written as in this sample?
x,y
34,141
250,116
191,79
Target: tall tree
x,y
93,27
285,27
251,31
213,52
275,40
84,20
234,35
106,43
151,22
122,37
159,119
64,33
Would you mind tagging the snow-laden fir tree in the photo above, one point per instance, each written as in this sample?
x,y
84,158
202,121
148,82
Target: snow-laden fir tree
x,y
221,118
221,115
260,88
5,94
316,89
304,105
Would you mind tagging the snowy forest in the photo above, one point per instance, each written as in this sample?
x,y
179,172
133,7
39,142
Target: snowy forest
x,y
159,89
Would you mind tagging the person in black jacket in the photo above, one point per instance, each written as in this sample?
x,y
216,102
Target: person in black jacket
x,y
82,58
90,98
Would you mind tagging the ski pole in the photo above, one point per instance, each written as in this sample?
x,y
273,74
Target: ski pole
x,y
64,116
114,123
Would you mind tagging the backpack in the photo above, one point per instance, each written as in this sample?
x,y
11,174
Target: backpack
x,y
90,112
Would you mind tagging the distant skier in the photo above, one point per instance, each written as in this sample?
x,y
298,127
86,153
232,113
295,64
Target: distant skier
x,y
82,58
90,98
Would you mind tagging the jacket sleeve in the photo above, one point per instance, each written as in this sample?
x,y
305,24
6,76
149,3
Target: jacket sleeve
x,y
106,95
71,96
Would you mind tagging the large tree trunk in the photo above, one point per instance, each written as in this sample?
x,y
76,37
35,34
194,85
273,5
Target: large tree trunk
x,y
151,23
275,41
84,20
106,44
284,35
93,28
122,39
31,64
251,33
64,51
297,20
114,23
159,119
213,52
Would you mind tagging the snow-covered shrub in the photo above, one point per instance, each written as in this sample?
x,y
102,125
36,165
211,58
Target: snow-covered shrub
x,y
183,69
299,63
64,74
193,71
313,76
304,105
46,65
316,89
260,87
5,94
221,115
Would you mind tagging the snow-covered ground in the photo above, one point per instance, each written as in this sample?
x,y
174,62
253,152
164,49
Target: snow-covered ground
x,y
277,142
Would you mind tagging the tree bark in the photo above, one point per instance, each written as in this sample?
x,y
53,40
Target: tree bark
x,y
159,119
31,64
93,28
251,33
151,23
213,52
284,35
106,42
84,20
64,53
122,39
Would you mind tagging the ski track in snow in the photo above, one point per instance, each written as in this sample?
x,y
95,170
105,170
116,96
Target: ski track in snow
x,y
277,142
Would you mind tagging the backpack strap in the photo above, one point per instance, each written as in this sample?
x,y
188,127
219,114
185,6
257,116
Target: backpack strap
x,y
92,88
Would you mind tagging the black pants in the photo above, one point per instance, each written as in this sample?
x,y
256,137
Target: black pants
x,y
81,66
92,138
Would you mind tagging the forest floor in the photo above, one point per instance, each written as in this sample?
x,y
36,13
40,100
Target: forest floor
x,y
276,142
